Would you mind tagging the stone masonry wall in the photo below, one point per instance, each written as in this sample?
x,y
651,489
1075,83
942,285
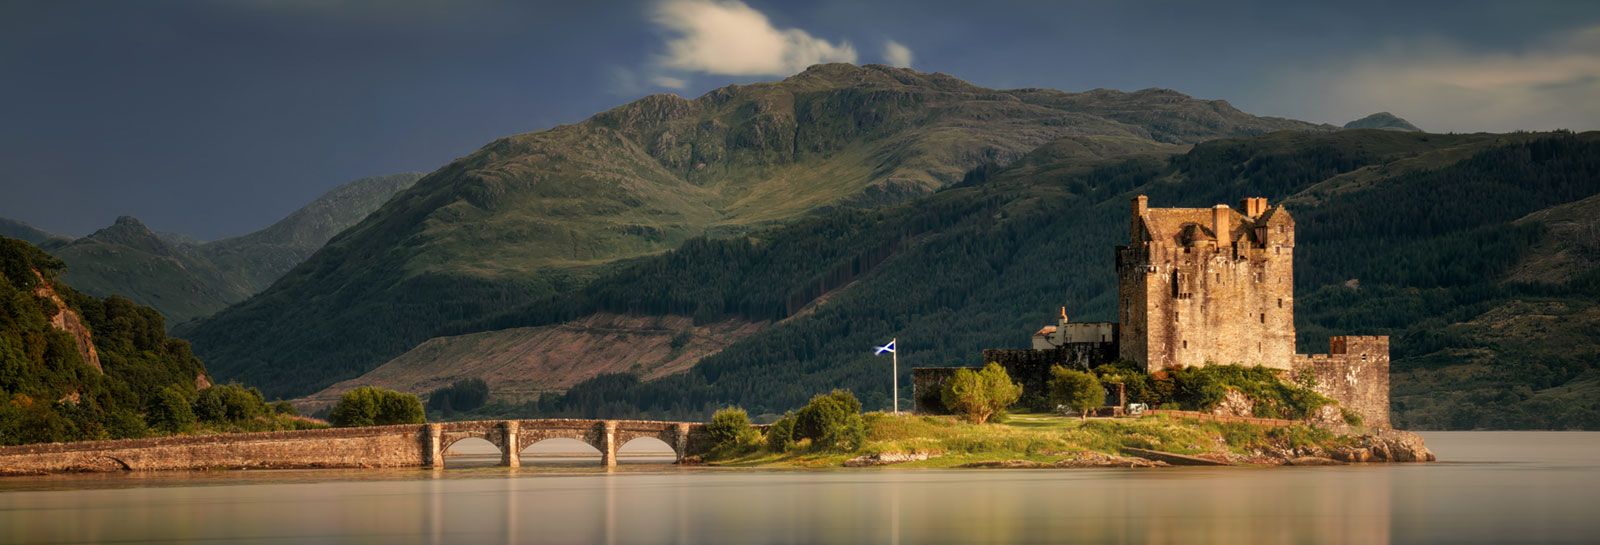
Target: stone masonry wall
x,y
1354,372
378,446
418,445
1194,302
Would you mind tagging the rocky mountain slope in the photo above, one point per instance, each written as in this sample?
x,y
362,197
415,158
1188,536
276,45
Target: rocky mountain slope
x,y
185,279
531,217
1382,120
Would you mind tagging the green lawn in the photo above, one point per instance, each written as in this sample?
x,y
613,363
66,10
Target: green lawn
x,y
1042,438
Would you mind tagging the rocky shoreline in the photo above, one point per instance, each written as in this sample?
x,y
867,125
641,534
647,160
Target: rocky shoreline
x,y
1387,446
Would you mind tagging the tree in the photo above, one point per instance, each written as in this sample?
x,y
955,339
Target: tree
x,y
373,406
169,412
980,395
462,395
832,421
1077,390
780,435
730,430
229,403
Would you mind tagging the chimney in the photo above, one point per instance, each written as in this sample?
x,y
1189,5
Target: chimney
x,y
1220,224
1253,207
1063,315
1140,205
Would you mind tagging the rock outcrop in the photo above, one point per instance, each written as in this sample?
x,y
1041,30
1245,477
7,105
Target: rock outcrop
x,y
1386,446
68,320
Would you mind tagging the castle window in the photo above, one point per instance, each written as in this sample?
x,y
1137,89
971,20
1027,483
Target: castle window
x,y
1263,317
1185,345
1280,302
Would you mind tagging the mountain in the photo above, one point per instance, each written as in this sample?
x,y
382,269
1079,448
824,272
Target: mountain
x,y
1382,120
27,233
186,279
260,258
130,260
530,217
1475,253
74,367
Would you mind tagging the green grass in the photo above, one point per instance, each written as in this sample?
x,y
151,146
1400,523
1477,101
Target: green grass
x,y
1042,438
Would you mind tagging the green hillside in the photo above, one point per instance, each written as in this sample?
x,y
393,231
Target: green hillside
x,y
1427,238
91,377
27,233
184,279
533,216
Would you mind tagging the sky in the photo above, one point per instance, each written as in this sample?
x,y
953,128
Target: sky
x,y
216,118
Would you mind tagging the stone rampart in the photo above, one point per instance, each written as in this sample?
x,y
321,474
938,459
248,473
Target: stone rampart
x,y
1354,372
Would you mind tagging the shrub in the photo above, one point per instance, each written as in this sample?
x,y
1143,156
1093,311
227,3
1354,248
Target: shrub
x,y
462,395
1196,388
1076,390
980,395
169,412
372,406
832,421
229,403
1351,418
730,430
284,408
780,435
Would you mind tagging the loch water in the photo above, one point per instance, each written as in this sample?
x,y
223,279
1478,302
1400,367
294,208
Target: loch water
x,y
1488,487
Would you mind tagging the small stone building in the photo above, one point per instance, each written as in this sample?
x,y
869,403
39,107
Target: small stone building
x,y
1199,286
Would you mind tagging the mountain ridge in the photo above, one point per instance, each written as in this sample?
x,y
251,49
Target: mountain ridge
x,y
529,216
185,280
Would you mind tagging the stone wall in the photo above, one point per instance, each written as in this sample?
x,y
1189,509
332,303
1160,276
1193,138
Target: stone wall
x,y
1354,372
419,445
378,446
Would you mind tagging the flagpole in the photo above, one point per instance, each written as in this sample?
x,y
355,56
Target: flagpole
x,y
896,355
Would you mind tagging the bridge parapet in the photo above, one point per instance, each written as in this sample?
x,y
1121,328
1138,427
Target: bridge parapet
x,y
408,445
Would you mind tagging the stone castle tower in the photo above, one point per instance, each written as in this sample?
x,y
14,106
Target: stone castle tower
x,y
1201,286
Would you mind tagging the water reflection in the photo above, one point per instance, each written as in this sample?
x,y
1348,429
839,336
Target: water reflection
x,y
1536,498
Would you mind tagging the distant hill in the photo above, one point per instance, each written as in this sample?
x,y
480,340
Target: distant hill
x,y
27,233
130,260
1382,120
186,279
529,217
75,367
1475,253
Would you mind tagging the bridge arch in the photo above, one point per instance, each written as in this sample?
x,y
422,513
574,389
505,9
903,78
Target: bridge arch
x,y
471,451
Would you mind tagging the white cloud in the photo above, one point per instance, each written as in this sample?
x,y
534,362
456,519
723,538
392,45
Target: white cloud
x,y
728,37
896,54
669,82
1445,86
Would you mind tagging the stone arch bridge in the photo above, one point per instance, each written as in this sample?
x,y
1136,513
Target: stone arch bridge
x,y
415,445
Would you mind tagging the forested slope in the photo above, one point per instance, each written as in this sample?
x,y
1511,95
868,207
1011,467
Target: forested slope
x,y
1410,235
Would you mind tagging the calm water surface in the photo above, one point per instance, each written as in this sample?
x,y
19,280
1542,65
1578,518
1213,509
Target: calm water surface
x,y
1492,487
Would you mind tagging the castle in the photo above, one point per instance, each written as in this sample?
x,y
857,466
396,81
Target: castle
x,y
1201,286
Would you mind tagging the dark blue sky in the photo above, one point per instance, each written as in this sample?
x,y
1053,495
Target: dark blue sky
x,y
217,118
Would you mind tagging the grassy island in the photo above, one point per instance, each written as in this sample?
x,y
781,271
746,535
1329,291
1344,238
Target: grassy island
x,y
1046,440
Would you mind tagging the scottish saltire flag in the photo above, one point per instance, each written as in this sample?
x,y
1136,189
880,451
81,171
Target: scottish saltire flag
x,y
889,348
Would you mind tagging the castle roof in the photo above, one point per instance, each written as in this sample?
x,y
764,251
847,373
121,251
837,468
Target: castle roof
x,y
1188,225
